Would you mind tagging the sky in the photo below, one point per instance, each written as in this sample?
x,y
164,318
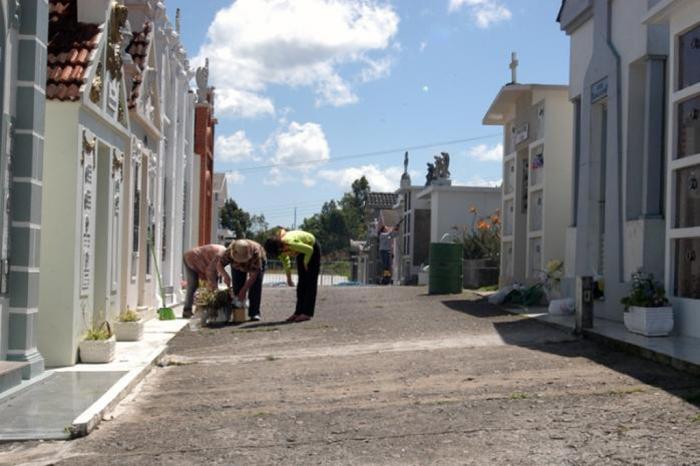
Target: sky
x,y
300,83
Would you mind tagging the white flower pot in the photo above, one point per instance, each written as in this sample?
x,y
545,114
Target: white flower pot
x,y
128,331
97,351
649,321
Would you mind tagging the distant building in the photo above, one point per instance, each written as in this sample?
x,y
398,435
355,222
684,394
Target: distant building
x,y
535,214
220,191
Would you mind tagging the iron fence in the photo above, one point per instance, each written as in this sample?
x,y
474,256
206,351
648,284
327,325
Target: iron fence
x,y
332,273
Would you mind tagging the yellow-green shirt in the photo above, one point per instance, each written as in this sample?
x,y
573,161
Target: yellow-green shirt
x,y
300,242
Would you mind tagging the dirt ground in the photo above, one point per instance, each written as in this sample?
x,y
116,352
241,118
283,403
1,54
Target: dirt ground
x,y
390,376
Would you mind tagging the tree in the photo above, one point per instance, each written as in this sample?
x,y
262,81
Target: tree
x,y
353,207
338,222
235,219
259,228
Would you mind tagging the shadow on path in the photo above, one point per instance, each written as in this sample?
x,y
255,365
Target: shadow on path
x,y
534,335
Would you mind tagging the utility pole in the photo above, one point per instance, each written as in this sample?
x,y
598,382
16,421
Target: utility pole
x,y
294,227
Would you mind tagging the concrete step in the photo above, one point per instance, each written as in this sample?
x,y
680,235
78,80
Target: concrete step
x,y
10,374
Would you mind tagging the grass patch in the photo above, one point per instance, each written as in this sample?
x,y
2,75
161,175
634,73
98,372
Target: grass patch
x,y
488,288
626,391
519,396
254,330
695,418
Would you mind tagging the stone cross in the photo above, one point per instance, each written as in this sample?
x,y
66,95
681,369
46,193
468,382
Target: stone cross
x,y
514,67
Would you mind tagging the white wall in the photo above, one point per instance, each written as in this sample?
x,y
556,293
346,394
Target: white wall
x,y
449,207
60,322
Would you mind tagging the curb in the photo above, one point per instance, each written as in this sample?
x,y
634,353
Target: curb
x,y
91,417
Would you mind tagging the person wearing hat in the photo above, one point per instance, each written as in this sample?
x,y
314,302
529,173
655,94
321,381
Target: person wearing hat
x,y
248,261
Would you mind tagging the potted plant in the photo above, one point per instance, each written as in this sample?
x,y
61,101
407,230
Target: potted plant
x,y
481,246
647,310
212,306
98,345
129,327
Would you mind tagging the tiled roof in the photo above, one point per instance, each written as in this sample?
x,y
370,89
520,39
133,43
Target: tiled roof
x,y
138,49
69,50
381,200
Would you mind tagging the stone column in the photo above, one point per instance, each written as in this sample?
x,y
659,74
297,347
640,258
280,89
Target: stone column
x,y
26,186
654,125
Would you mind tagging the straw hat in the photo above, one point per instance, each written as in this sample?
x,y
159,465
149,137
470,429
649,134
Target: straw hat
x,y
241,251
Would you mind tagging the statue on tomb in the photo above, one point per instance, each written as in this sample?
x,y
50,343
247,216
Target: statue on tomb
x,y
446,164
430,176
202,78
405,163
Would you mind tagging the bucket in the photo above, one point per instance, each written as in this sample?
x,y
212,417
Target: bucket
x,y
239,315
445,268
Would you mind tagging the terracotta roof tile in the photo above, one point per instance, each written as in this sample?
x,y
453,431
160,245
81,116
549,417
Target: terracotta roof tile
x,y
69,50
138,49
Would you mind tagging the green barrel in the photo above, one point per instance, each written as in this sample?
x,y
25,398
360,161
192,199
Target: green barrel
x,y
445,268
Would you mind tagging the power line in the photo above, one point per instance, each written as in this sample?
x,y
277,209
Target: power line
x,y
367,154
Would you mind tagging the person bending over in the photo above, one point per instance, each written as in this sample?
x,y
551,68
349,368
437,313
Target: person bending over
x,y
304,246
201,263
248,261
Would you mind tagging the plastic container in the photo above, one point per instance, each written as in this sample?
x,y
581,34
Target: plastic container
x,y
445,272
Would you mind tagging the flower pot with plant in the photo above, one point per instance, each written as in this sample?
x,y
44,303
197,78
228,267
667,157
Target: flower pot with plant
x,y
212,306
647,310
99,345
129,327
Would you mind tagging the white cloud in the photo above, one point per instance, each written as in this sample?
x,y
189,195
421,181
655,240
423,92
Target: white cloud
x,y
484,153
234,148
376,69
256,43
380,179
484,12
422,46
234,177
425,88
242,104
298,144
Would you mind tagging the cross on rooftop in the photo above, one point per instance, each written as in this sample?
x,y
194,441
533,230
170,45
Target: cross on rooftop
x,y
514,67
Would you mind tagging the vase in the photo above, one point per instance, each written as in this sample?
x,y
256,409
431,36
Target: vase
x,y
128,331
97,351
649,321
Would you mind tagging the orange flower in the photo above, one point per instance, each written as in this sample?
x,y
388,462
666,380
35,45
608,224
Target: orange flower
x,y
495,219
482,225
472,210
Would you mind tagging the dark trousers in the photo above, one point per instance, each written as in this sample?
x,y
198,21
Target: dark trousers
x,y
307,287
254,293
386,259
192,278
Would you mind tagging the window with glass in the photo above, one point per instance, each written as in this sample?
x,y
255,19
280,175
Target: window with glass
x,y
688,128
689,58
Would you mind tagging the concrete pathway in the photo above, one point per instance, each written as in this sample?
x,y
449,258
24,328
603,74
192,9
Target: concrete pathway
x,y
390,376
